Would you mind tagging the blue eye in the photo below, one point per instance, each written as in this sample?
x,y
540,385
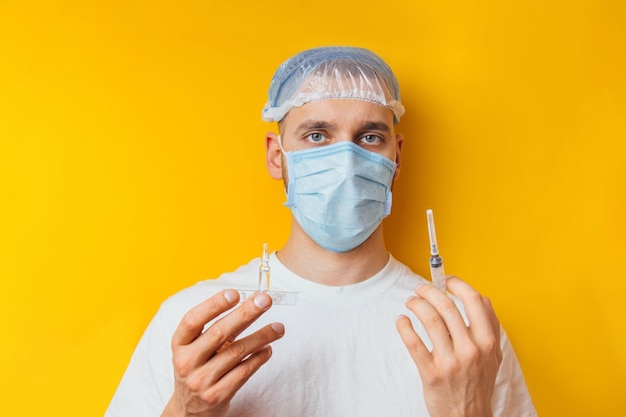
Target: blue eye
x,y
371,139
316,137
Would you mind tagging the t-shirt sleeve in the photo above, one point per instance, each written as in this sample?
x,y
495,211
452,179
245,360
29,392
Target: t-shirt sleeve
x,y
147,384
511,397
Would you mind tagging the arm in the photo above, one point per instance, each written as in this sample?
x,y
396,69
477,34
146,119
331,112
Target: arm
x,y
459,373
211,366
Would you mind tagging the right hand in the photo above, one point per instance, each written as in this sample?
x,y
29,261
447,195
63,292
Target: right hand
x,y
459,373
211,366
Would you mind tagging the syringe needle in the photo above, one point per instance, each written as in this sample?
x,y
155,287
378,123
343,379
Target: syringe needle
x,y
432,236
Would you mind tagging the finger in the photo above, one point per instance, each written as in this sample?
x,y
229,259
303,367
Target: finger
x,y
482,319
495,324
448,312
229,358
227,328
231,382
414,344
192,324
433,323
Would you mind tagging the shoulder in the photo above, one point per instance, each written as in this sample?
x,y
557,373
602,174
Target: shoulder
x,y
175,306
406,276
401,280
408,280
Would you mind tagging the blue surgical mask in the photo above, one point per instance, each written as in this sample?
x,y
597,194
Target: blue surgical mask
x,y
339,193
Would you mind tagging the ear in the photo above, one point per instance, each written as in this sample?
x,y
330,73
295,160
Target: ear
x,y
274,157
399,142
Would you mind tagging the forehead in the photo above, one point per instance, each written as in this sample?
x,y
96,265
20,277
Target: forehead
x,y
343,113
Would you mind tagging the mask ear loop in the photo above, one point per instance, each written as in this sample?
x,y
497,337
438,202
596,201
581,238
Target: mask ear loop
x,y
280,145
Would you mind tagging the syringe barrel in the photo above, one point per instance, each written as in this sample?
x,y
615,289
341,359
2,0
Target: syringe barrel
x,y
436,272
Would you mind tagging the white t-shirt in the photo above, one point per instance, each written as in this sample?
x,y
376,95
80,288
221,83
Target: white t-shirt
x,y
340,356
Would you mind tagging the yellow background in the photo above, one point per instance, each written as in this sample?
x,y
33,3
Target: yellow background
x,y
132,165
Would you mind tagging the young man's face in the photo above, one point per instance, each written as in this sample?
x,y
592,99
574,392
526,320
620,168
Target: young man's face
x,y
324,122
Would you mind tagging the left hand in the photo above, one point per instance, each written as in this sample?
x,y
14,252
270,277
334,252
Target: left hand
x,y
459,374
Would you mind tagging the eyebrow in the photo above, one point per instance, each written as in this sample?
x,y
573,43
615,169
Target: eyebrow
x,y
314,124
380,126
318,124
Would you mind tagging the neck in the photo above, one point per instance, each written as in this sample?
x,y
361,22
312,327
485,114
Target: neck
x,y
305,258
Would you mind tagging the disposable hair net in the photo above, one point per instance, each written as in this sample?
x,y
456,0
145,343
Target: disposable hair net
x,y
332,73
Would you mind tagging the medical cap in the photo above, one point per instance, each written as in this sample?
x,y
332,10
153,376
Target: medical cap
x,y
332,73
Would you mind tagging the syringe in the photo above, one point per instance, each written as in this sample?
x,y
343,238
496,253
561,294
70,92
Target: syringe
x,y
436,263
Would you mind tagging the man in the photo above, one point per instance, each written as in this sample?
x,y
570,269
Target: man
x,y
335,351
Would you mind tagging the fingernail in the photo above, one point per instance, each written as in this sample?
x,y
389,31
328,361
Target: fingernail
x,y
230,296
411,298
278,328
262,301
418,286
